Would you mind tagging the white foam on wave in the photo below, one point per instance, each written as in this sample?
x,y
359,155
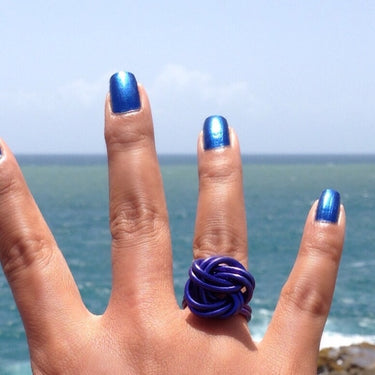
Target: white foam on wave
x,y
334,339
329,339
331,335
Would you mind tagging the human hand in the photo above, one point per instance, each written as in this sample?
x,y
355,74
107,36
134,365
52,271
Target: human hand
x,y
143,330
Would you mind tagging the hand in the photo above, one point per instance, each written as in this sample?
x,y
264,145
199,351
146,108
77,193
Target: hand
x,y
143,330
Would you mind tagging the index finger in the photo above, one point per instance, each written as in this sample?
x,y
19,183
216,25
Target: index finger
x,y
38,275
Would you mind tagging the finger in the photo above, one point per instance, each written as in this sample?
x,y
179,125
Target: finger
x,y
305,300
141,246
42,284
220,227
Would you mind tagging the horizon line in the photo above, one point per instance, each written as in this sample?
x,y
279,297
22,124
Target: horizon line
x,y
182,154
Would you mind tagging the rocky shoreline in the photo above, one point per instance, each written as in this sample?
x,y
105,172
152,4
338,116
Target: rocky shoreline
x,y
356,359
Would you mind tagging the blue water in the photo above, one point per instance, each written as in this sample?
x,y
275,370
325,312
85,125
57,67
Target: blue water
x,y
72,193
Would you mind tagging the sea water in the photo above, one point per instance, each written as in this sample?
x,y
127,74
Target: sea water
x,y
72,194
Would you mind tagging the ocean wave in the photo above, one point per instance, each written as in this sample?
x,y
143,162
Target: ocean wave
x,y
332,335
336,339
329,339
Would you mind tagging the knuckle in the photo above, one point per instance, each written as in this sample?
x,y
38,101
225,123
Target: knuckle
x,y
135,218
323,247
219,171
20,246
220,239
304,298
25,253
8,183
125,133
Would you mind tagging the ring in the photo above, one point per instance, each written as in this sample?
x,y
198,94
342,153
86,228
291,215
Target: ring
x,y
219,287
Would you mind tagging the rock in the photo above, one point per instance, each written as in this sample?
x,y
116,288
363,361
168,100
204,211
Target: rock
x,y
357,359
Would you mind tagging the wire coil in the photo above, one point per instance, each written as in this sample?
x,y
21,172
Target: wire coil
x,y
219,287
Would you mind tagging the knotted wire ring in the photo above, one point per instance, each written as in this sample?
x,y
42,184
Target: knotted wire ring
x,y
218,287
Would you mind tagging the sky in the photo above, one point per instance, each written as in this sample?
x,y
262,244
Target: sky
x,y
291,77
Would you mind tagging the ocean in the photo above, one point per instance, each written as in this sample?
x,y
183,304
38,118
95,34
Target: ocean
x,y
72,193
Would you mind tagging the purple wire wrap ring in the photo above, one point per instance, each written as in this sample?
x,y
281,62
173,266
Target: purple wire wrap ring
x,y
218,287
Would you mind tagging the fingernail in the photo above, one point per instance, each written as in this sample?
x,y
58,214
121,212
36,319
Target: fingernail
x,y
328,206
215,132
124,93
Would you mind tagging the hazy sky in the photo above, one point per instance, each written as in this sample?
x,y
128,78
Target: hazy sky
x,y
290,76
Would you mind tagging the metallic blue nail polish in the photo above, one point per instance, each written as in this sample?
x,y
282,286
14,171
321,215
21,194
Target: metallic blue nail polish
x,y
328,206
215,132
124,93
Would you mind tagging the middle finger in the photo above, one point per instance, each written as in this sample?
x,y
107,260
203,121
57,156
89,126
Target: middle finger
x,y
141,247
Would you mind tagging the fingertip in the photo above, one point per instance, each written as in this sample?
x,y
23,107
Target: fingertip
x,y
234,141
1,150
322,242
10,167
323,230
128,127
215,133
145,102
207,144
342,216
124,93
126,96
224,157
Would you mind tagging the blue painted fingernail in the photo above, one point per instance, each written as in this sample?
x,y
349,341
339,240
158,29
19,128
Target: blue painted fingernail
x,y
328,206
123,88
215,132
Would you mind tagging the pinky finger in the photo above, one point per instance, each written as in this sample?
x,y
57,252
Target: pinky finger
x,y
305,300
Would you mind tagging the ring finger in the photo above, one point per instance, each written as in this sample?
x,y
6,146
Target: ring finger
x,y
220,227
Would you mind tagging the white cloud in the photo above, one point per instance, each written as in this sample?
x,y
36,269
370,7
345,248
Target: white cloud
x,y
179,77
175,84
83,93
78,93
182,98
21,99
178,80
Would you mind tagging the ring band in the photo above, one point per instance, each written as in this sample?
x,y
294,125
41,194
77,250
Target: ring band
x,y
219,287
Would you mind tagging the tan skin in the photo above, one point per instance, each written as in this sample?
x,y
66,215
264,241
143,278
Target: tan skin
x,y
143,330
